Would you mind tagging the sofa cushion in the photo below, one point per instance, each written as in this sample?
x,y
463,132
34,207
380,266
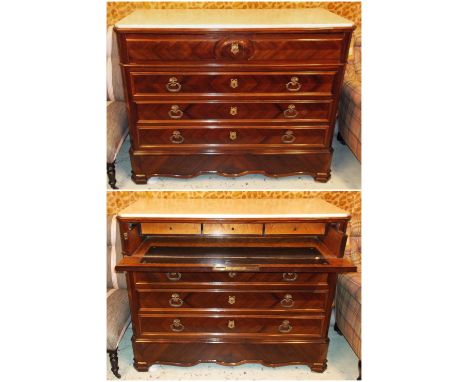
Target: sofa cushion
x,y
348,309
118,316
117,128
114,254
115,90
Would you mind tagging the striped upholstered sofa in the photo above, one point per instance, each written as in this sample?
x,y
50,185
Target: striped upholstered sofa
x,y
117,122
349,112
348,294
118,310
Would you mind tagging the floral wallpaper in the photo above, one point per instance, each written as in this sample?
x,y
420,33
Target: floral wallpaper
x,y
118,10
348,200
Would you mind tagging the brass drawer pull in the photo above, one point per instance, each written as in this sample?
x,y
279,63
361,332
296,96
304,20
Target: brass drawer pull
x,y
285,327
231,324
289,276
232,274
290,112
173,85
233,110
235,47
174,276
234,83
293,85
232,137
175,112
287,301
175,300
177,326
176,137
288,137
232,300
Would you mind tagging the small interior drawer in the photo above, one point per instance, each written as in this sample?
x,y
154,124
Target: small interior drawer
x,y
295,229
232,229
170,228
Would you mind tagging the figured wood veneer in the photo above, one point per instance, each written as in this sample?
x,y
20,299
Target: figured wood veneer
x,y
206,100
170,228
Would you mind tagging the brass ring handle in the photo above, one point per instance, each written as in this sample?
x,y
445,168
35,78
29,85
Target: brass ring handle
x,y
293,85
175,112
175,300
290,112
285,327
288,137
174,276
176,137
173,85
177,326
289,276
287,301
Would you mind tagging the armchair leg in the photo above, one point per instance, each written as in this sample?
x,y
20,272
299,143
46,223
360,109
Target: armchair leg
x,y
111,175
359,365
340,138
114,360
337,329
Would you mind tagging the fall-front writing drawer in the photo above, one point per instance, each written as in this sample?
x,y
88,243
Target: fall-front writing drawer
x,y
245,48
150,136
314,111
191,324
286,278
295,228
233,299
315,83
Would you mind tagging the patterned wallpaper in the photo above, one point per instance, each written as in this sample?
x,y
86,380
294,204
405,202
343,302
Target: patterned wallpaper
x,y
348,200
349,10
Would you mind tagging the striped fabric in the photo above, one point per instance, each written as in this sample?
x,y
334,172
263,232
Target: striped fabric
x,y
349,113
348,291
348,309
117,128
118,316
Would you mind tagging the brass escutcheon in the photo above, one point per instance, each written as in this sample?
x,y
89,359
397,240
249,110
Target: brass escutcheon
x,y
234,83
232,135
234,47
231,324
233,110
232,300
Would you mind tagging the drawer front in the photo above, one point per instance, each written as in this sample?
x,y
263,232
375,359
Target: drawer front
x,y
170,228
230,278
206,299
295,229
317,111
149,137
180,324
300,47
232,229
317,83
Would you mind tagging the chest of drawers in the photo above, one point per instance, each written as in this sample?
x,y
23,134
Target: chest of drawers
x,y
232,281
232,92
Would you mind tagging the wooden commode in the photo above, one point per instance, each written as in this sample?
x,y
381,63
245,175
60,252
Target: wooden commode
x,y
232,281
233,91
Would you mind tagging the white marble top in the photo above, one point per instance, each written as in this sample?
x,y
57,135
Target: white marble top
x,y
233,18
233,208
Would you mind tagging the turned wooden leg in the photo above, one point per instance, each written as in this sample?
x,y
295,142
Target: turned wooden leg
x,y
340,139
114,360
337,329
359,366
111,175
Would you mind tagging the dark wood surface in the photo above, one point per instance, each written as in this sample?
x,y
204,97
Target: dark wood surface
x,y
196,107
261,296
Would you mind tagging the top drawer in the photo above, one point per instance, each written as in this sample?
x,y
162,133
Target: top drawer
x,y
144,48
